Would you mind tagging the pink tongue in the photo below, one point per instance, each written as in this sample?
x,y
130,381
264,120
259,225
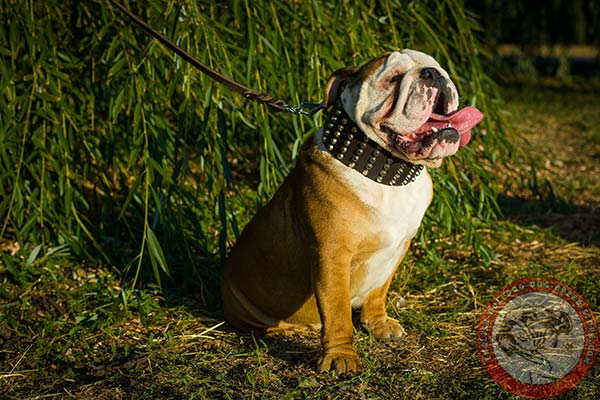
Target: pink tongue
x,y
462,120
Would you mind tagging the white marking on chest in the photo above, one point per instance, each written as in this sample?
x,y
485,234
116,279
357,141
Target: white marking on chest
x,y
397,212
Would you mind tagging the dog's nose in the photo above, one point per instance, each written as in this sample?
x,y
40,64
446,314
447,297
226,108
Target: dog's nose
x,y
430,73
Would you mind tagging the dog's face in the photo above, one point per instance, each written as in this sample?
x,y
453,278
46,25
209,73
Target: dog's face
x,y
406,103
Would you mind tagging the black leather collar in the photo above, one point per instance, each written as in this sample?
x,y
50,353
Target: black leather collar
x,y
347,143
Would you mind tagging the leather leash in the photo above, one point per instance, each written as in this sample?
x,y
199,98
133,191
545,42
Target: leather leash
x,y
276,105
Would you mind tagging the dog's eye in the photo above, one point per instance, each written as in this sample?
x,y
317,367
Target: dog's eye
x,y
396,78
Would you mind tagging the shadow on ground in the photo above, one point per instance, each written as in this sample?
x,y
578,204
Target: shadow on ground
x,y
573,223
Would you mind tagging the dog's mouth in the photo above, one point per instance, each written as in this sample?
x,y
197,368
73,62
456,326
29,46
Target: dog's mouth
x,y
440,135
450,128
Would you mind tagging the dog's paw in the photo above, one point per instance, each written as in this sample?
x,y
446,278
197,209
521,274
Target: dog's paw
x,y
385,329
342,364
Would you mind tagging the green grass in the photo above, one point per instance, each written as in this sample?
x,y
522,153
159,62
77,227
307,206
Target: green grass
x,y
62,339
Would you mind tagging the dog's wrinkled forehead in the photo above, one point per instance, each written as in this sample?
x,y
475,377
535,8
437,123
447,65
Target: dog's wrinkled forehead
x,y
379,71
419,59
399,62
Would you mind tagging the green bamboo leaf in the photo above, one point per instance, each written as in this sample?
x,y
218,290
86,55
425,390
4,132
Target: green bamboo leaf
x,y
157,256
160,169
118,103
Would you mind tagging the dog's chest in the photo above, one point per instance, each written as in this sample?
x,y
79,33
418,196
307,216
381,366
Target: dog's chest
x,y
395,214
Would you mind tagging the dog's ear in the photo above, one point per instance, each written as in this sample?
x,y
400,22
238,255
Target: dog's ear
x,y
336,84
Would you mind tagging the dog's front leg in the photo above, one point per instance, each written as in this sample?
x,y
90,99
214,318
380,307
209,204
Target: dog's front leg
x,y
332,291
373,314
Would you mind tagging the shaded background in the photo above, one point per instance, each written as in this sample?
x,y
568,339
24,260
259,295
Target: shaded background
x,y
553,38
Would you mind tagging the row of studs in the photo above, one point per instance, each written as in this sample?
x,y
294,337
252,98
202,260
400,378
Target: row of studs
x,y
338,133
410,177
371,162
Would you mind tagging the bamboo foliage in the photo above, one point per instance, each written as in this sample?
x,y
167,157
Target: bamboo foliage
x,y
115,147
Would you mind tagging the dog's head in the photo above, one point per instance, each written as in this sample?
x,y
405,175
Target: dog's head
x,y
406,103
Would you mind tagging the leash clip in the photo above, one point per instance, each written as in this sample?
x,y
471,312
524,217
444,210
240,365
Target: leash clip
x,y
306,108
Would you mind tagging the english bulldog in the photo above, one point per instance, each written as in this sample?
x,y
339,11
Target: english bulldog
x,y
335,232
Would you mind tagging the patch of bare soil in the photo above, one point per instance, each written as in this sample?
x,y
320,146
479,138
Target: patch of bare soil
x,y
562,127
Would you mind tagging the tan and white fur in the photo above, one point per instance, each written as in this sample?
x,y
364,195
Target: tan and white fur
x,y
330,240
